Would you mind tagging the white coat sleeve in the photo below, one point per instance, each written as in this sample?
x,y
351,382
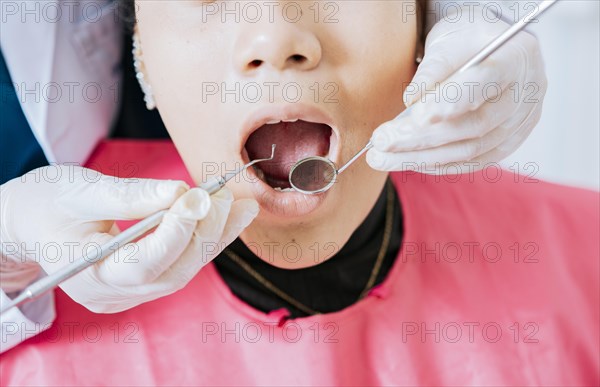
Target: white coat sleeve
x,y
26,321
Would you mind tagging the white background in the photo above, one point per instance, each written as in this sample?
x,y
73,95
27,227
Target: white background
x,y
565,145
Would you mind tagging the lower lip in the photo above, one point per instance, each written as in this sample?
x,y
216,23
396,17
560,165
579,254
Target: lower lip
x,y
283,203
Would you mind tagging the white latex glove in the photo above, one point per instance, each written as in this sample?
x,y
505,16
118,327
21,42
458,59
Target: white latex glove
x,y
431,135
49,223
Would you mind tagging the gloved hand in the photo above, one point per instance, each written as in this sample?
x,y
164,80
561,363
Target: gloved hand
x,y
499,103
51,222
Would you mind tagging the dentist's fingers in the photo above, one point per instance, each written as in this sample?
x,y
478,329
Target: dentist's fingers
x,y
152,255
93,196
200,252
208,232
243,212
403,134
204,241
486,159
429,158
504,150
504,74
465,93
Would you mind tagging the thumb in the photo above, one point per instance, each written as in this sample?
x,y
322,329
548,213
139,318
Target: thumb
x,y
152,255
243,212
199,253
110,198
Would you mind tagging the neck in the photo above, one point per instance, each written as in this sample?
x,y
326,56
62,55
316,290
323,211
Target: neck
x,y
334,284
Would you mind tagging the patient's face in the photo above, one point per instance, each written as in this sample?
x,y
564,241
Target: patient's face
x,y
228,75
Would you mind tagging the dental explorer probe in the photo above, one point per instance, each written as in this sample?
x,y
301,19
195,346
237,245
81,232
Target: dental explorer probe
x,y
483,54
51,281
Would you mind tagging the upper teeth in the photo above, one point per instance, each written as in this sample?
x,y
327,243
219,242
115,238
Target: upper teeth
x,y
278,121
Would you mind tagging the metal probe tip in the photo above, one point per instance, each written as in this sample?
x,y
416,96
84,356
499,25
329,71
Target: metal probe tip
x,y
272,153
251,163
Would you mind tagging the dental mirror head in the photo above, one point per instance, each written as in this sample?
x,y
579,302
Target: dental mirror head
x,y
316,174
313,175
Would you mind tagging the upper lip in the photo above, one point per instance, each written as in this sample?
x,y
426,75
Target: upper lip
x,y
287,112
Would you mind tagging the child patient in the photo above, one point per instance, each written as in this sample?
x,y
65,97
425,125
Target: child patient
x,y
386,279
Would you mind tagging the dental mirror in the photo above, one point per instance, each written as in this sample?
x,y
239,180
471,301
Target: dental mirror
x,y
316,174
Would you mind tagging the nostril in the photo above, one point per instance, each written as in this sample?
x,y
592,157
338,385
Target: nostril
x,y
255,63
298,58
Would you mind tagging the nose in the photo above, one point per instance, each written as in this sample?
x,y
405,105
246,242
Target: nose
x,y
277,45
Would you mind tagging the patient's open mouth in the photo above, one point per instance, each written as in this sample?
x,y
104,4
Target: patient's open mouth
x,y
295,140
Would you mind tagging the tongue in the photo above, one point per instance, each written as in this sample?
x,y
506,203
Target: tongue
x,y
294,140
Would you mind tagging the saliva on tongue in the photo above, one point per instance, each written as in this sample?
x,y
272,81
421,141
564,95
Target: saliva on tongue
x,y
295,141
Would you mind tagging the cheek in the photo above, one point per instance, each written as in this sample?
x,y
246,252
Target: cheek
x,y
391,66
195,123
376,60
182,73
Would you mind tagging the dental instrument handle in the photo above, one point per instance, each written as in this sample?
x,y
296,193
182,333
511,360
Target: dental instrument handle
x,y
356,156
498,42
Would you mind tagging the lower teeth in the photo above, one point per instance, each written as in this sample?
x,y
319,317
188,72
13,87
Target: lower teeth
x,y
261,175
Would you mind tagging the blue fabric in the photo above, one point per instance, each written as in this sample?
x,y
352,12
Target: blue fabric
x,y
19,149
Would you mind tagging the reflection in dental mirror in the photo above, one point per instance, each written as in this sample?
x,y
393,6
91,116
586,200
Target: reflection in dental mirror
x,y
313,175
316,174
